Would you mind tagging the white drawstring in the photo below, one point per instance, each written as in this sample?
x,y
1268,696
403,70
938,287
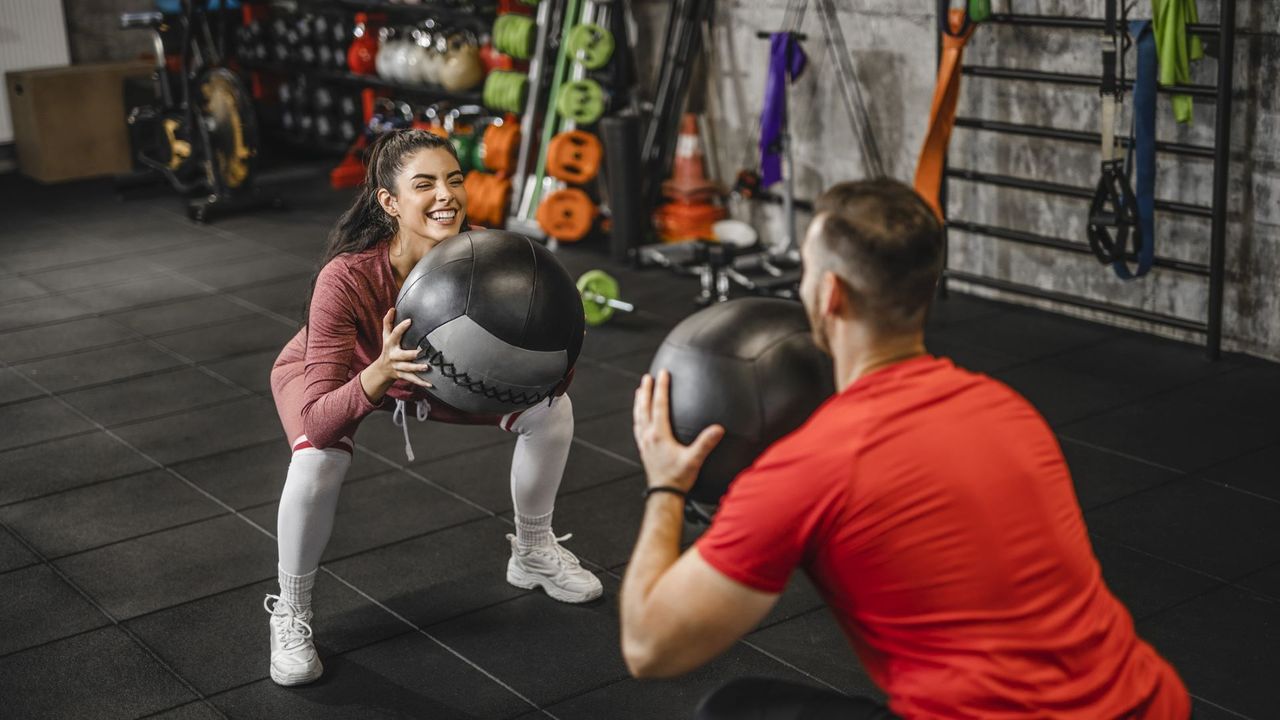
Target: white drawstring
x,y
398,419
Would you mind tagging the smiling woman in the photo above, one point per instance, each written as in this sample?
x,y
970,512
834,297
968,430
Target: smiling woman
x,y
347,362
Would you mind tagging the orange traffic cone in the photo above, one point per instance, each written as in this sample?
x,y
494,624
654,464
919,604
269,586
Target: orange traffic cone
x,y
693,208
688,180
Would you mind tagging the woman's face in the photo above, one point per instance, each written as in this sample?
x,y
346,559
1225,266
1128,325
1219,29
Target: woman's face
x,y
430,201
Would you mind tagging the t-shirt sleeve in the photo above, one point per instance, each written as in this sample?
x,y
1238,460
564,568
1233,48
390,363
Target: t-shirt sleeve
x,y
774,516
334,401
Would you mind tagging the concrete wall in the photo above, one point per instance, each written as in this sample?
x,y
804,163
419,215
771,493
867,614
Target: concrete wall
x,y
94,34
893,47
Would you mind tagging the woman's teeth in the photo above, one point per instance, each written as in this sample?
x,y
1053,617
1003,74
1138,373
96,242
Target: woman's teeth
x,y
444,217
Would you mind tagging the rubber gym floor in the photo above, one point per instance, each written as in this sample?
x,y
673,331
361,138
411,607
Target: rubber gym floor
x,y
142,460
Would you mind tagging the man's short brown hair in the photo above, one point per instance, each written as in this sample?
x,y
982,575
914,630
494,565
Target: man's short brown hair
x,y
885,244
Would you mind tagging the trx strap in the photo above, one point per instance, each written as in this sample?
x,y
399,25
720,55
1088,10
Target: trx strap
x,y
1143,150
1114,207
956,31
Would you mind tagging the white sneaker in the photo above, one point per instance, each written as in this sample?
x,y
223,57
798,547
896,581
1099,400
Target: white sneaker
x,y
294,660
554,569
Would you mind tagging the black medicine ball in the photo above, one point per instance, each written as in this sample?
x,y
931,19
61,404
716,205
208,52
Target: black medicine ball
x,y
500,320
749,365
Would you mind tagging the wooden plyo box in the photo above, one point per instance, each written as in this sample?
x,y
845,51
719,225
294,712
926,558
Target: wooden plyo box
x,y
69,122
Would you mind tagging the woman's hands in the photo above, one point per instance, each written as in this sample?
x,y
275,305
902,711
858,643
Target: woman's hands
x,y
394,363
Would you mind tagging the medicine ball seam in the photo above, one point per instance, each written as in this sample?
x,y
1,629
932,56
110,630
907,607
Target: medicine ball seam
x,y
533,292
449,370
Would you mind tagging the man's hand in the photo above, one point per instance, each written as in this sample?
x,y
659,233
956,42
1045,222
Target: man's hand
x,y
666,461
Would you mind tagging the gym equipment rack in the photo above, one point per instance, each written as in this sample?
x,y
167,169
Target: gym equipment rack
x,y
1221,94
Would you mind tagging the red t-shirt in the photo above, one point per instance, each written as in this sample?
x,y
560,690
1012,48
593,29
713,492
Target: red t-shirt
x,y
933,509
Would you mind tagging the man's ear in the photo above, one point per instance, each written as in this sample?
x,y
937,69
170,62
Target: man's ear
x,y
834,294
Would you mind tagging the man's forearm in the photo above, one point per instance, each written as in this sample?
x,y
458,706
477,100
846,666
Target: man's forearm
x,y
657,549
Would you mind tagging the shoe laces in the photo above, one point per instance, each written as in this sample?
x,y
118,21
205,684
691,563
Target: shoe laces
x,y
292,630
562,555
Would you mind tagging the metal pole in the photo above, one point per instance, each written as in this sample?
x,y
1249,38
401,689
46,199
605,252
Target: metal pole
x,y
1221,175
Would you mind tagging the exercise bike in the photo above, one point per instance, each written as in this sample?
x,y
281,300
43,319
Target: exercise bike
x,y
200,134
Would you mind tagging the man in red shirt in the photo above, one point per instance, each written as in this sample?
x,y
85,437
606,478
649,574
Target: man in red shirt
x,y
931,507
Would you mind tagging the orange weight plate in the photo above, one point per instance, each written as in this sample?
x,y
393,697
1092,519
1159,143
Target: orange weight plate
x,y
574,157
567,215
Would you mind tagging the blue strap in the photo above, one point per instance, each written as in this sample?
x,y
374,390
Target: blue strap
x,y
1144,148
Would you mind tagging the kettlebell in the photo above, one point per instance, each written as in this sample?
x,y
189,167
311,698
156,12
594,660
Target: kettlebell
x,y
415,57
462,69
363,53
387,48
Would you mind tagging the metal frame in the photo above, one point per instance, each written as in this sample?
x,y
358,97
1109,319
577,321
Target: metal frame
x,y
1216,212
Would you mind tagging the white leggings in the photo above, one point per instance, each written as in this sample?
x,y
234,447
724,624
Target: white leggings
x,y
310,498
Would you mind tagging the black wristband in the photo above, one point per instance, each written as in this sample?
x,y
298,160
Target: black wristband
x,y
665,489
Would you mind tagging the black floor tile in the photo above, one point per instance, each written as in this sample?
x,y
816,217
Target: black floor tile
x,y
547,650
484,475
405,677
71,252
221,641
210,252
40,311
1084,382
260,268
180,315
438,576
175,566
1226,646
799,597
599,389
675,698
13,387
431,440
624,335
252,371
151,396
1102,476
1191,428
39,607
80,460
255,475
637,364
284,298
108,512
1265,581
13,554
381,510
38,420
248,334
1145,584
815,643
199,710
99,274
958,308
91,367
604,520
1206,527
206,431
611,433
1027,334
17,288
101,674
1257,473
970,357
146,291
62,340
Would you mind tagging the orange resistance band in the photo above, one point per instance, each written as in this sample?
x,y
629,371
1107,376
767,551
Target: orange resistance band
x,y
942,116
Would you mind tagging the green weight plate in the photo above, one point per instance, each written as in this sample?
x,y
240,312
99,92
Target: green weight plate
x,y
466,147
593,284
582,101
591,45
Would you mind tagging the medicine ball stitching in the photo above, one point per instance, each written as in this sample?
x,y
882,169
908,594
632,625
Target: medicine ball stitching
x,y
533,292
462,379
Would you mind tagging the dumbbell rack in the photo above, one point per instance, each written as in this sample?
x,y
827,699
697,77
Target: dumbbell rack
x,y
476,16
